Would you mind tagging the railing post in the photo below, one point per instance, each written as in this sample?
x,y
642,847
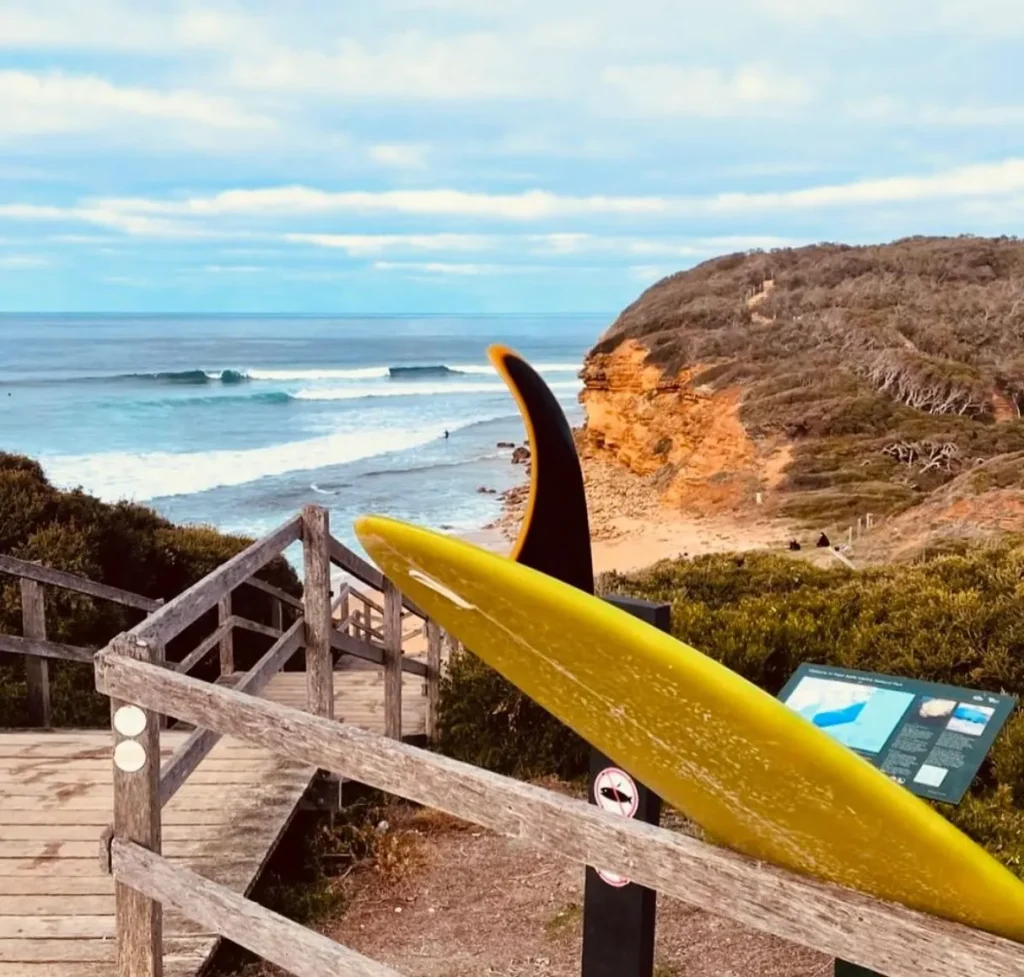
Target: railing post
x,y
343,610
317,599
37,671
277,614
433,632
392,660
139,919
227,639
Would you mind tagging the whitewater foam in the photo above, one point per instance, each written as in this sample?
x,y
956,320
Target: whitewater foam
x,y
414,390
143,476
384,372
285,376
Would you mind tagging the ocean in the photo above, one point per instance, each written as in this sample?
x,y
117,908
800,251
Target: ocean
x,y
239,421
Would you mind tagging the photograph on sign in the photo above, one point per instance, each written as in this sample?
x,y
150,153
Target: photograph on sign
x,y
615,791
971,720
861,717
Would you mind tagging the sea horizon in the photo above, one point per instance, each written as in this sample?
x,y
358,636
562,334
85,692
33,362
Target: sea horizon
x,y
237,421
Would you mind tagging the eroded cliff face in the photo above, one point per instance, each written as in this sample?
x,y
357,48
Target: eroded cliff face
x,y
689,437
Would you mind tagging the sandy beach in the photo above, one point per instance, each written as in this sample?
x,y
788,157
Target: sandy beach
x,y
630,528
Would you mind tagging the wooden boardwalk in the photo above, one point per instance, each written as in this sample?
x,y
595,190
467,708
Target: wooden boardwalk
x,y
57,906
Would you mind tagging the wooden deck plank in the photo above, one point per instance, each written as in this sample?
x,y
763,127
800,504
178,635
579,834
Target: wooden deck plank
x,y
57,908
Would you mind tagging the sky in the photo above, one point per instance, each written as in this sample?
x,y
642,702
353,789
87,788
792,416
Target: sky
x,y
482,156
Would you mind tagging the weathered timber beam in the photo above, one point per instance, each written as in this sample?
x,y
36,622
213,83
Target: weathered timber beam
x,y
269,588
345,590
177,768
357,648
287,944
888,938
353,563
368,601
201,650
246,625
39,648
176,615
71,581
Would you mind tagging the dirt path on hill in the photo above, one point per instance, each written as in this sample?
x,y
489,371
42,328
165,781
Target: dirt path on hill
x,y
464,902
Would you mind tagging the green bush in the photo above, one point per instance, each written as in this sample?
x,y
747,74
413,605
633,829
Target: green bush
x,y
124,545
487,721
956,618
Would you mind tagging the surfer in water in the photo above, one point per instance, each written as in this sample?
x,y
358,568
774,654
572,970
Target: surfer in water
x,y
446,435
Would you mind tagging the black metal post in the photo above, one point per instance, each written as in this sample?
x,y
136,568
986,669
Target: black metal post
x,y
618,916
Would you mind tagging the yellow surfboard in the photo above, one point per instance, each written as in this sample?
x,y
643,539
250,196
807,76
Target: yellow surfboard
x,y
755,775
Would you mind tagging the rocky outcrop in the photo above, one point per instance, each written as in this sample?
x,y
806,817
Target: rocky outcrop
x,y
689,437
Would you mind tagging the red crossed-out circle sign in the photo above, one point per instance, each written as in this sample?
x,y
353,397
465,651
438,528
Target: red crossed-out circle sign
x,y
615,791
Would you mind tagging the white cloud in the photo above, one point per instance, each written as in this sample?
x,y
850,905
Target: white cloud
x,y
399,155
269,215
437,267
649,274
966,182
23,261
412,66
234,269
362,245
560,243
106,25
671,90
54,102
885,109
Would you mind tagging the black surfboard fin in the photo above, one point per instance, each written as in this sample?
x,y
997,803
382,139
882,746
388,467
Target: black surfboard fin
x,y
555,535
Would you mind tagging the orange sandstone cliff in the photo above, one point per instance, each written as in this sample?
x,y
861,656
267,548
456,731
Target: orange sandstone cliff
x,y
688,436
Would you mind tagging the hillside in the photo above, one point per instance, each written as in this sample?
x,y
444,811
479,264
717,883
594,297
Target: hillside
x,y
834,380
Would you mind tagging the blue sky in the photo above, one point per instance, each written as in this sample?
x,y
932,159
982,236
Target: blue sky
x,y
482,155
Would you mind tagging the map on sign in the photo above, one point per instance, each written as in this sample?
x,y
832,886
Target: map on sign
x,y
930,738
860,716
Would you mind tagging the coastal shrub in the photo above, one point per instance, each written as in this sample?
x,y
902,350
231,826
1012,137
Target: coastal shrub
x,y
955,616
487,721
123,545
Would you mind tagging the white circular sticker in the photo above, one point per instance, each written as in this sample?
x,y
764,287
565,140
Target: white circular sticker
x,y
616,792
129,720
129,756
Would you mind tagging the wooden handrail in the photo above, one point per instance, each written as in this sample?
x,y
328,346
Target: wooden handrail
x,y
345,590
850,925
188,756
39,648
282,941
357,648
246,625
368,601
176,615
353,563
273,591
200,651
71,581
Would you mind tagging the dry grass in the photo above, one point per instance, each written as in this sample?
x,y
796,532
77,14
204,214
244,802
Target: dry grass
x,y
437,897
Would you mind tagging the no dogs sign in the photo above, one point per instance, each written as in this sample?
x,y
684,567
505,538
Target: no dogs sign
x,y
616,792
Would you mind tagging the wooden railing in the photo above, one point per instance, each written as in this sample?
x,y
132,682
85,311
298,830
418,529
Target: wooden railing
x,y
886,938
316,628
33,643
